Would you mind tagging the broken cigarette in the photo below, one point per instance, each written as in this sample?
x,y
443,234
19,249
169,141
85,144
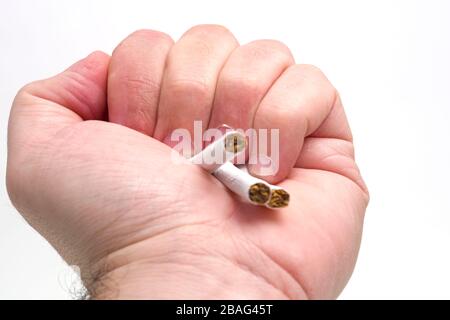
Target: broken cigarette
x,y
249,188
279,197
216,159
221,151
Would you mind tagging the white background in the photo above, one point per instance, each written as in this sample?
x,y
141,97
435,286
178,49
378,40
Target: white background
x,y
389,59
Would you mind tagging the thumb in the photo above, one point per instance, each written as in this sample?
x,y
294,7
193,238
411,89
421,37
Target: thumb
x,y
91,187
43,107
40,110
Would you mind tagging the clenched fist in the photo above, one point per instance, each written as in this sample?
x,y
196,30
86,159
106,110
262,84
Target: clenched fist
x,y
90,168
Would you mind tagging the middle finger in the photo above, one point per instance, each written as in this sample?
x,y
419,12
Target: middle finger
x,y
190,77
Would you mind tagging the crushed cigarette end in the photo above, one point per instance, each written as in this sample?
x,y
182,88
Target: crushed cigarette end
x,y
278,199
259,193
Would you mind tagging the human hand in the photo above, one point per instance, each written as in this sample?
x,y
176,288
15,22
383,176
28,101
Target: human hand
x,y
87,169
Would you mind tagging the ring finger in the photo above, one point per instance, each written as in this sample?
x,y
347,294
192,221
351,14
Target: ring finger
x,y
246,77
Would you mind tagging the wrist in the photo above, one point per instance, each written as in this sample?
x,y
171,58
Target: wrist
x,y
182,280
173,266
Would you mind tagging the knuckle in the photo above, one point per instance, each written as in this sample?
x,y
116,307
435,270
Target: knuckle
x,y
311,71
318,79
270,49
23,95
207,29
134,39
150,34
205,40
28,88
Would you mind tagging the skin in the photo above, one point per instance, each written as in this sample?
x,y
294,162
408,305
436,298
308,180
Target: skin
x,y
88,168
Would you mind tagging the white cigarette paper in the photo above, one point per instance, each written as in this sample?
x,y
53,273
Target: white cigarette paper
x,y
220,151
249,188
215,159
